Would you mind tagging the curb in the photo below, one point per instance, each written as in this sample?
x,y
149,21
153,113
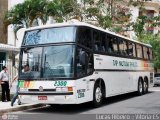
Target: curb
x,y
19,108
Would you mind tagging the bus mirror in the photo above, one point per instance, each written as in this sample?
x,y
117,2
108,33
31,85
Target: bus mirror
x,y
83,58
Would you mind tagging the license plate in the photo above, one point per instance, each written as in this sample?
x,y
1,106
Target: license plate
x,y
42,97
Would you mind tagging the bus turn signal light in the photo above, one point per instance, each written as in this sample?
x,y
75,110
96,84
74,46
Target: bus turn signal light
x,y
70,89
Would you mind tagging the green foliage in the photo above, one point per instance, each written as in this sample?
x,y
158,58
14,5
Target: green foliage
x,y
116,29
139,26
105,21
92,11
145,21
26,13
136,3
59,9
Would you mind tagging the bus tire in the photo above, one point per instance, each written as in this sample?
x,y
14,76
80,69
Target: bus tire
x,y
145,85
140,87
97,95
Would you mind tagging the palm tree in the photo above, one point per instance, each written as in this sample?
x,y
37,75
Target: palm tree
x,y
24,14
34,9
60,10
16,17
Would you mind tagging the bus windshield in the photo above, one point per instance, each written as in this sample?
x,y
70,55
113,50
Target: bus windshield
x,y
48,62
49,35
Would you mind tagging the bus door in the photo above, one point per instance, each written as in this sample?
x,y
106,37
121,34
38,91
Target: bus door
x,y
84,68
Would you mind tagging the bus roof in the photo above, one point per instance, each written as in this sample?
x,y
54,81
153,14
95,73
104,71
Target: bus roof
x,y
73,23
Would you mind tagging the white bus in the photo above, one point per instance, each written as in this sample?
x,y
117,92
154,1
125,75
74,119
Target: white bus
x,y
74,63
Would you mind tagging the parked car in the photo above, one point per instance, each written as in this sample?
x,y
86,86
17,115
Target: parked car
x,y
156,79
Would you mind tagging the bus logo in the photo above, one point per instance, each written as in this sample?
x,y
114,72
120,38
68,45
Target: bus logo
x,y
40,88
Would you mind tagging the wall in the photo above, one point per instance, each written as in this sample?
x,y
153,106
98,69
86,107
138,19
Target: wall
x,y
11,35
3,8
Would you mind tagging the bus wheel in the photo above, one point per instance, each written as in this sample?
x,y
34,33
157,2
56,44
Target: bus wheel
x,y
140,87
145,87
97,95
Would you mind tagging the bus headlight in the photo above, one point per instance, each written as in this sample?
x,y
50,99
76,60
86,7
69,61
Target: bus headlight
x,y
58,89
64,89
23,89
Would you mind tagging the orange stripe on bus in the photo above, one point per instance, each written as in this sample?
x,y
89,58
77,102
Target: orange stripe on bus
x,y
26,84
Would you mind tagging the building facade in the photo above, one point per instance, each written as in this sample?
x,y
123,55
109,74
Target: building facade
x,y
152,9
3,9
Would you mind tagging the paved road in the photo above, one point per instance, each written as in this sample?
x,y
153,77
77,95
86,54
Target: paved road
x,y
122,104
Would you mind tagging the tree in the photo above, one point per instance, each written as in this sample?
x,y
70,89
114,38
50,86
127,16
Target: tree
x,y
60,9
139,25
111,14
16,17
24,14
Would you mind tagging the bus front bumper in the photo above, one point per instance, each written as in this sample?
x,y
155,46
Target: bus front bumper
x,y
48,98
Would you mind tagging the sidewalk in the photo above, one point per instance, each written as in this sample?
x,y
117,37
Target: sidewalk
x,y
6,107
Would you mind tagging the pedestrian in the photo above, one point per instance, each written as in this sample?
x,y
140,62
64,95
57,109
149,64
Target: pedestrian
x,y
4,81
16,94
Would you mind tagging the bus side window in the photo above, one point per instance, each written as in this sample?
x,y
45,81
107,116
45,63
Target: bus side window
x,y
103,42
80,69
96,47
145,52
115,45
139,51
97,41
123,47
110,46
150,54
84,37
90,63
131,49
84,66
